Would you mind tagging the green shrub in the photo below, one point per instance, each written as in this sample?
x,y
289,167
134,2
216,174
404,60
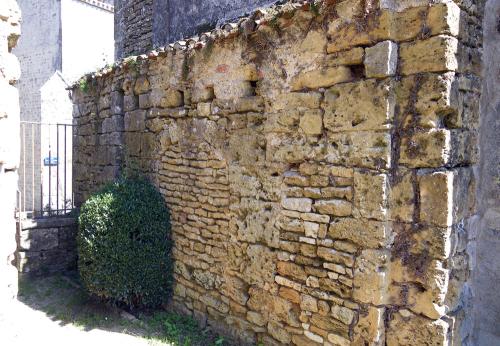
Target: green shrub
x,y
124,244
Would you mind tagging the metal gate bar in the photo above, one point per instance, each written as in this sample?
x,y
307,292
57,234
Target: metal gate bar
x,y
50,202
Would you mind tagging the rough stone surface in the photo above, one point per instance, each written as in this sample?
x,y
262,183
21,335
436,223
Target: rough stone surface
x,y
46,245
318,194
381,60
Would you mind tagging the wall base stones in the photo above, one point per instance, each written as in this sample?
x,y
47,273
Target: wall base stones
x,y
47,246
317,160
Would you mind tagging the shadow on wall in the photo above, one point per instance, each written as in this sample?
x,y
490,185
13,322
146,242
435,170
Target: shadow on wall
x,y
486,268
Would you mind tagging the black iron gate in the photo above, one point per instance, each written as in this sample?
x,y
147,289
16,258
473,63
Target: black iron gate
x,y
45,179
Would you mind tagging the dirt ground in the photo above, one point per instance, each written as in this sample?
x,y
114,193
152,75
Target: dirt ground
x,y
56,311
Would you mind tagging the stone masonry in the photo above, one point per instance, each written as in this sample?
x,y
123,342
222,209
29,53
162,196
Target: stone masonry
x,y
133,27
47,245
317,159
10,17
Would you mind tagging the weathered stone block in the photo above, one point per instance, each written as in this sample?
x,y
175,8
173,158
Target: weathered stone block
x,y
298,204
135,121
436,198
406,328
426,149
363,105
370,327
291,101
363,232
436,54
359,149
321,78
350,57
312,123
381,60
335,207
370,277
39,239
370,195
291,270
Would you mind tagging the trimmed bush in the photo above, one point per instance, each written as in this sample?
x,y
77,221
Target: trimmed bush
x,y
124,244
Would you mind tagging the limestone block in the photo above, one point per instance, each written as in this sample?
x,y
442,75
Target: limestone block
x,y
350,57
141,85
308,303
260,265
302,340
231,89
314,42
338,340
330,324
406,328
204,279
335,207
130,103
371,277
436,198
312,122
321,78
370,327
113,124
363,105
362,232
436,54
370,195
401,197
381,60
359,149
291,270
401,5
214,301
436,241
349,9
343,314
235,288
298,204
39,239
428,297
335,256
145,101
290,294
433,97
426,149
315,338
291,101
456,201
135,120
346,34
171,99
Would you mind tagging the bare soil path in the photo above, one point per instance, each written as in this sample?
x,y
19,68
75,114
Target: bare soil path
x,y
56,311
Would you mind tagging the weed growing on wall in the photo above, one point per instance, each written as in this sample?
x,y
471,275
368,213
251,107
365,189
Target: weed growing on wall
x,y
124,244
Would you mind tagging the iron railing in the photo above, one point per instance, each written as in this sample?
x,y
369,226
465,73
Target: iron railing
x,y
45,179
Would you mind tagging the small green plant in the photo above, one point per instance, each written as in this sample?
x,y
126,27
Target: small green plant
x,y
124,244
83,84
315,7
219,341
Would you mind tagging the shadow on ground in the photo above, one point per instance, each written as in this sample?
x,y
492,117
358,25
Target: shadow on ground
x,y
63,300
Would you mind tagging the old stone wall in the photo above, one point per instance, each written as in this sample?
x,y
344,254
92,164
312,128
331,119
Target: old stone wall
x,y
318,163
133,27
142,24
10,17
46,245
